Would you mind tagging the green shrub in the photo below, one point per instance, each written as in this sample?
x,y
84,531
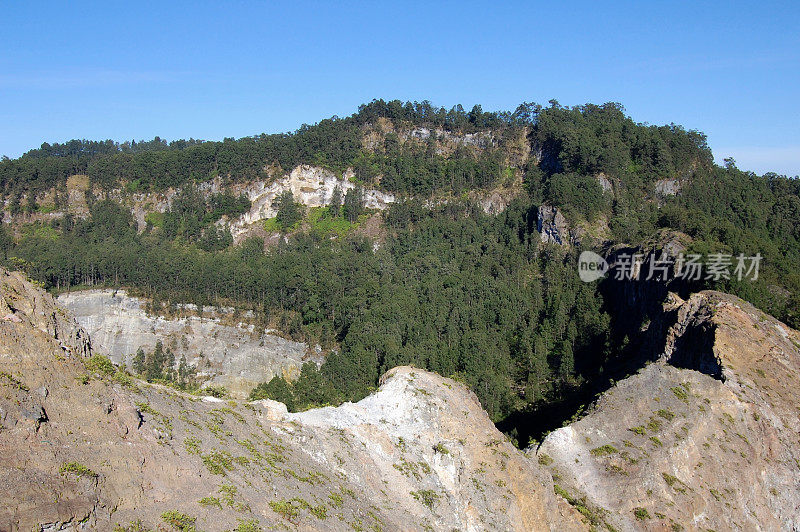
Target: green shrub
x,y
156,219
666,414
669,479
179,521
336,500
134,526
218,462
604,450
192,445
320,512
673,482
426,497
220,392
251,525
680,393
440,448
145,407
654,424
211,501
286,509
641,513
595,517
100,364
13,381
77,469
545,459
121,377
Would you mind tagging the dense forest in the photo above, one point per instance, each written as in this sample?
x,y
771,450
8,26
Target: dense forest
x,y
450,288
579,140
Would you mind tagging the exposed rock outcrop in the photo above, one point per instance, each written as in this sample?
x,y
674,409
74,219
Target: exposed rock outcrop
x,y
552,226
97,448
36,309
703,437
668,187
604,182
673,447
311,185
235,355
445,142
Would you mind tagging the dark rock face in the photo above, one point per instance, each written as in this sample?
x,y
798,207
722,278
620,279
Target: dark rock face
x,y
642,280
689,342
552,226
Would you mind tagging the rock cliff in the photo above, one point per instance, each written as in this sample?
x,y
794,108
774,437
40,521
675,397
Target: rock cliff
x,y
711,447
703,437
312,186
87,447
235,355
552,226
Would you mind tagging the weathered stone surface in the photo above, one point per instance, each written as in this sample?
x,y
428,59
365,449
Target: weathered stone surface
x,y
236,356
311,185
552,226
418,454
604,182
38,310
694,450
669,447
668,187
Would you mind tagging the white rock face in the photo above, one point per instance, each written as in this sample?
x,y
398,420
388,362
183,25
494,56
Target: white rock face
x,y
668,187
238,356
422,434
311,185
604,182
481,139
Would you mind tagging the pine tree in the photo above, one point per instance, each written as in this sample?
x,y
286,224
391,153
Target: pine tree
x,y
155,363
335,206
183,370
139,361
289,212
354,204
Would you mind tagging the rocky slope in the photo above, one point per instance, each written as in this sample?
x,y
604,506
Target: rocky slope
x,y
84,446
703,437
713,447
235,355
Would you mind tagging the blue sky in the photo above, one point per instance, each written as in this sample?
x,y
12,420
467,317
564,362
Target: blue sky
x,y
212,70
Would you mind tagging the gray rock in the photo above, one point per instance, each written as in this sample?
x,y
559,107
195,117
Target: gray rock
x,y
604,182
668,187
235,356
552,226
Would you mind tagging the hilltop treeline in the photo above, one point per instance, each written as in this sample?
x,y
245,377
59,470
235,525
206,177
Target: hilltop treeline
x,y
581,139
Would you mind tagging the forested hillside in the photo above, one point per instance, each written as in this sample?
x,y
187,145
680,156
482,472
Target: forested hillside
x,y
446,286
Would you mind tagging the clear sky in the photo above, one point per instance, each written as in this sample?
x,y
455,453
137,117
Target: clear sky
x,y
208,70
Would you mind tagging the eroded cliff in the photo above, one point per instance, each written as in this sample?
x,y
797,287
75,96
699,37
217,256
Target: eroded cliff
x,y
86,447
703,438
226,351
